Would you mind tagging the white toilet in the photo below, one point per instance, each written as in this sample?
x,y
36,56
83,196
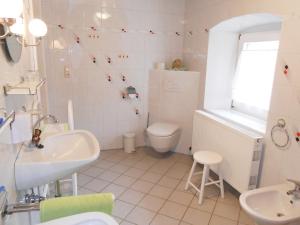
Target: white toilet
x,y
163,137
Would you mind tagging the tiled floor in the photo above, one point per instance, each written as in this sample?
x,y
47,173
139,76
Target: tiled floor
x,y
149,189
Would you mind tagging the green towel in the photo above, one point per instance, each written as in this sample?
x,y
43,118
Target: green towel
x,y
66,206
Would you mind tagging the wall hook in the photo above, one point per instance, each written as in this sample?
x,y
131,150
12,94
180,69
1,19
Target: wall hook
x,y
206,30
123,95
191,33
123,30
286,70
93,28
137,112
123,78
109,78
60,26
177,33
151,32
137,95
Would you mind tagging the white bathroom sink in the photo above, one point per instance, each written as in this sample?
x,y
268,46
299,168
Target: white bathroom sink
x,y
91,218
63,153
271,205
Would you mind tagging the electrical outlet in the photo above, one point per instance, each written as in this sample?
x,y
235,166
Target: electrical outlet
x,y
67,73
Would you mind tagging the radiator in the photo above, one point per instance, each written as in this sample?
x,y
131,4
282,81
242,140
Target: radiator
x,y
241,149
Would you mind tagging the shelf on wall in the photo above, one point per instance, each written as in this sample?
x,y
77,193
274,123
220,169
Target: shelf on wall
x,y
24,88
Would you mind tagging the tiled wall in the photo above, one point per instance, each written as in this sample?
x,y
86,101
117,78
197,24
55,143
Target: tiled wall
x,y
98,103
201,14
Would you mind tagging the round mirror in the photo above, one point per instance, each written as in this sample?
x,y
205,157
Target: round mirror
x,y
12,47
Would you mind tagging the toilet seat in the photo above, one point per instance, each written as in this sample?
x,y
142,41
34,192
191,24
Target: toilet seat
x,y
162,129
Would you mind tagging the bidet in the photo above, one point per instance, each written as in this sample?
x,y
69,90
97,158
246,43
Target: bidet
x,y
273,205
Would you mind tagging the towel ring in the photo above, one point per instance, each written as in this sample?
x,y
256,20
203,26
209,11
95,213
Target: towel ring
x,y
280,126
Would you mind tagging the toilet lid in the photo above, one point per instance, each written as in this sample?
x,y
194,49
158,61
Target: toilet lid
x,y
162,129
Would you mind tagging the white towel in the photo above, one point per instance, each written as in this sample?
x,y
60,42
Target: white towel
x,y
21,128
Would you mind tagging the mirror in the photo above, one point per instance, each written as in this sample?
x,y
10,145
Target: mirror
x,y
11,46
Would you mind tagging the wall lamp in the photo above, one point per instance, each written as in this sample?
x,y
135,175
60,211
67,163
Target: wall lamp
x,y
12,22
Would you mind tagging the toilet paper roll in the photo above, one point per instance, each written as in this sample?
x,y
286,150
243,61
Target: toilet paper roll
x,y
132,96
21,128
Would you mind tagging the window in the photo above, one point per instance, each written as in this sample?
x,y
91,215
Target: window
x,y
254,75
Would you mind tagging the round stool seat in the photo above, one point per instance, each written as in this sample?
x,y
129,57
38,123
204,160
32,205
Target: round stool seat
x,y
207,157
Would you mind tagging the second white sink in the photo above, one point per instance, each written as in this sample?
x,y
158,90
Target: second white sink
x,y
271,205
63,153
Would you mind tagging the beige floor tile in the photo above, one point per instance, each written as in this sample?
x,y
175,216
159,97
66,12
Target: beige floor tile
x,y
160,191
143,165
169,182
119,168
96,185
226,210
229,199
104,164
173,210
196,217
118,219
131,196
93,171
164,220
142,186
160,169
181,197
126,223
84,191
117,190
134,172
109,175
217,220
130,161
181,187
152,203
151,177
184,223
115,158
245,218
140,216
122,209
124,180
85,168
83,179
208,205
211,192
175,173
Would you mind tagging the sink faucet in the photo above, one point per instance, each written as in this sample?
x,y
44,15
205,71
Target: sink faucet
x,y
36,132
296,191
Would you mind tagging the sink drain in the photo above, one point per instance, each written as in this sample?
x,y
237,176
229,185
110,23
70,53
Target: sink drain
x,y
280,214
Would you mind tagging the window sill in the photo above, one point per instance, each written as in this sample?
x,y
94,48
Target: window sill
x,y
241,119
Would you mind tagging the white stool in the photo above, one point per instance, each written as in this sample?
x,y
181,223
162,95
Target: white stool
x,y
207,159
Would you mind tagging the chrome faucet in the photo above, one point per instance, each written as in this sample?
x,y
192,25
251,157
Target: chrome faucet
x,y
36,132
296,191
31,203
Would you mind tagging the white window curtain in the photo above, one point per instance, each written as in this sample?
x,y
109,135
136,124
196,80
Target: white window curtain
x,y
252,86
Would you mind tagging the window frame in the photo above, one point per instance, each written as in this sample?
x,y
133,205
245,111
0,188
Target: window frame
x,y
253,37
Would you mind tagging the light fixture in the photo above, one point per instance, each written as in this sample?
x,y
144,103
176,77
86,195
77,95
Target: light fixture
x,y
10,19
37,28
9,11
